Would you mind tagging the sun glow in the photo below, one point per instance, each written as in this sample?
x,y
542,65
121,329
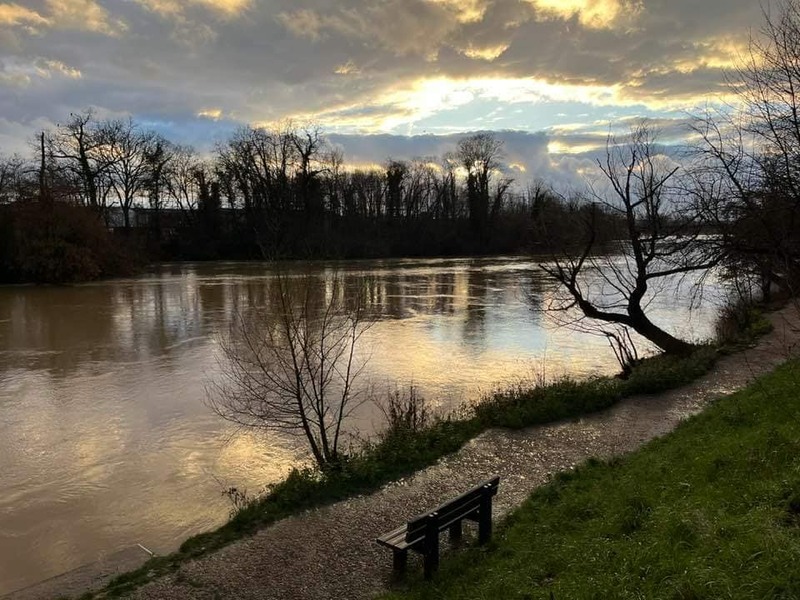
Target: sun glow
x,y
427,97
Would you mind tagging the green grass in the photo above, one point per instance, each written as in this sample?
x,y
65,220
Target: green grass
x,y
710,511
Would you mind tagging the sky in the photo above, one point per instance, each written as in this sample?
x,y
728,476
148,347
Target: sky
x,y
383,78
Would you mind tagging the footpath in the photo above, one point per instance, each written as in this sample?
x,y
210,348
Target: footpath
x,y
330,552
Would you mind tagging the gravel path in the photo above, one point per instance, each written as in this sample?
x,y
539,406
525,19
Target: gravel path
x,y
329,553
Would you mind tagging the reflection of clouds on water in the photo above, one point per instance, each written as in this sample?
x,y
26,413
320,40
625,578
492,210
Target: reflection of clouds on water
x,y
105,439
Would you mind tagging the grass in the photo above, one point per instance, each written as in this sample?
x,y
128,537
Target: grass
x,y
405,450
710,511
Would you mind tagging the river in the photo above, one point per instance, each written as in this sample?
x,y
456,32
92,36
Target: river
x,y
105,438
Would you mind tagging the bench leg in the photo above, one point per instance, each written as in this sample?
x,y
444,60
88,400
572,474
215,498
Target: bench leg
x,y
456,533
431,562
485,518
400,560
431,557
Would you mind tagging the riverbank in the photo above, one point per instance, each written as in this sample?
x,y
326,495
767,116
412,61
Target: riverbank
x,y
710,511
338,538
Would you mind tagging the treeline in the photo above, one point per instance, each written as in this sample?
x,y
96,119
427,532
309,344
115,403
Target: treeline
x,y
131,195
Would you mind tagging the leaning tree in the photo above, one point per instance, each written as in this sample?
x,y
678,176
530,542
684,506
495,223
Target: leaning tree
x,y
637,237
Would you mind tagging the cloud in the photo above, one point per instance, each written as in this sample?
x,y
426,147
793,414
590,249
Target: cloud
x,y
466,11
214,114
47,68
600,14
400,27
369,66
85,15
14,14
489,53
20,74
178,8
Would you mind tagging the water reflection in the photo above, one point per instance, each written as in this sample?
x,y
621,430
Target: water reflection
x,y
105,440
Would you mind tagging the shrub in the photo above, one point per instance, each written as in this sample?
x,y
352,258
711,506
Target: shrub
x,y
55,242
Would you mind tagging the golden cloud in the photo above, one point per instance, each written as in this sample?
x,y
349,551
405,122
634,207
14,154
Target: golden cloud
x,y
466,11
24,73
14,14
595,14
47,68
214,114
85,15
348,68
176,8
410,102
488,53
564,147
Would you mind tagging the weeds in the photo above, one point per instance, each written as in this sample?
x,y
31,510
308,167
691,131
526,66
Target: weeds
x,y
405,412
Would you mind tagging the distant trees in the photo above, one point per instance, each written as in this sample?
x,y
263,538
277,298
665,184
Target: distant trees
x,y
279,192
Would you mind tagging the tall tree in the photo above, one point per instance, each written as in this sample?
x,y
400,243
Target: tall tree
x,y
479,155
127,150
77,147
749,180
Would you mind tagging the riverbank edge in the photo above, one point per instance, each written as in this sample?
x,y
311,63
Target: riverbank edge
x,y
711,510
403,452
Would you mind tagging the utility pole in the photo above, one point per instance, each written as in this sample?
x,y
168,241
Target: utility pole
x,y
43,195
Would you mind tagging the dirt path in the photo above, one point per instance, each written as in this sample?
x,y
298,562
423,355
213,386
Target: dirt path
x,y
329,553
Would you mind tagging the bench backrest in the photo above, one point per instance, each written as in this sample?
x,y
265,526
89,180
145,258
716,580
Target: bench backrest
x,y
452,511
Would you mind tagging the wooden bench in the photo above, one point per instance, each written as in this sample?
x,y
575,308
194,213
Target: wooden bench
x,y
421,533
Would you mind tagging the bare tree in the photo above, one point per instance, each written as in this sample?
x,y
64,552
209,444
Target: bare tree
x,y
479,155
12,172
290,366
127,149
657,240
77,147
750,175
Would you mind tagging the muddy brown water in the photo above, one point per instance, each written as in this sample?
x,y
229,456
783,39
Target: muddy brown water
x,y
105,440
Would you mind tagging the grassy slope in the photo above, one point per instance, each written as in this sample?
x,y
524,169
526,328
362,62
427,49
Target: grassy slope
x,y
710,511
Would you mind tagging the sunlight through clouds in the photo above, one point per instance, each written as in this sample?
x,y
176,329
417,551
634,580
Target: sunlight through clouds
x,y
427,97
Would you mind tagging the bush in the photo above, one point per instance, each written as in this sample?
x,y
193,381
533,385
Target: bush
x,y
740,321
405,411
55,242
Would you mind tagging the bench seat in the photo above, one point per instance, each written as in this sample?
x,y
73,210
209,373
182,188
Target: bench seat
x,y
421,534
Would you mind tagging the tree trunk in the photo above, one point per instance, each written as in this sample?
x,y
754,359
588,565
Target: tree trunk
x,y
665,341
